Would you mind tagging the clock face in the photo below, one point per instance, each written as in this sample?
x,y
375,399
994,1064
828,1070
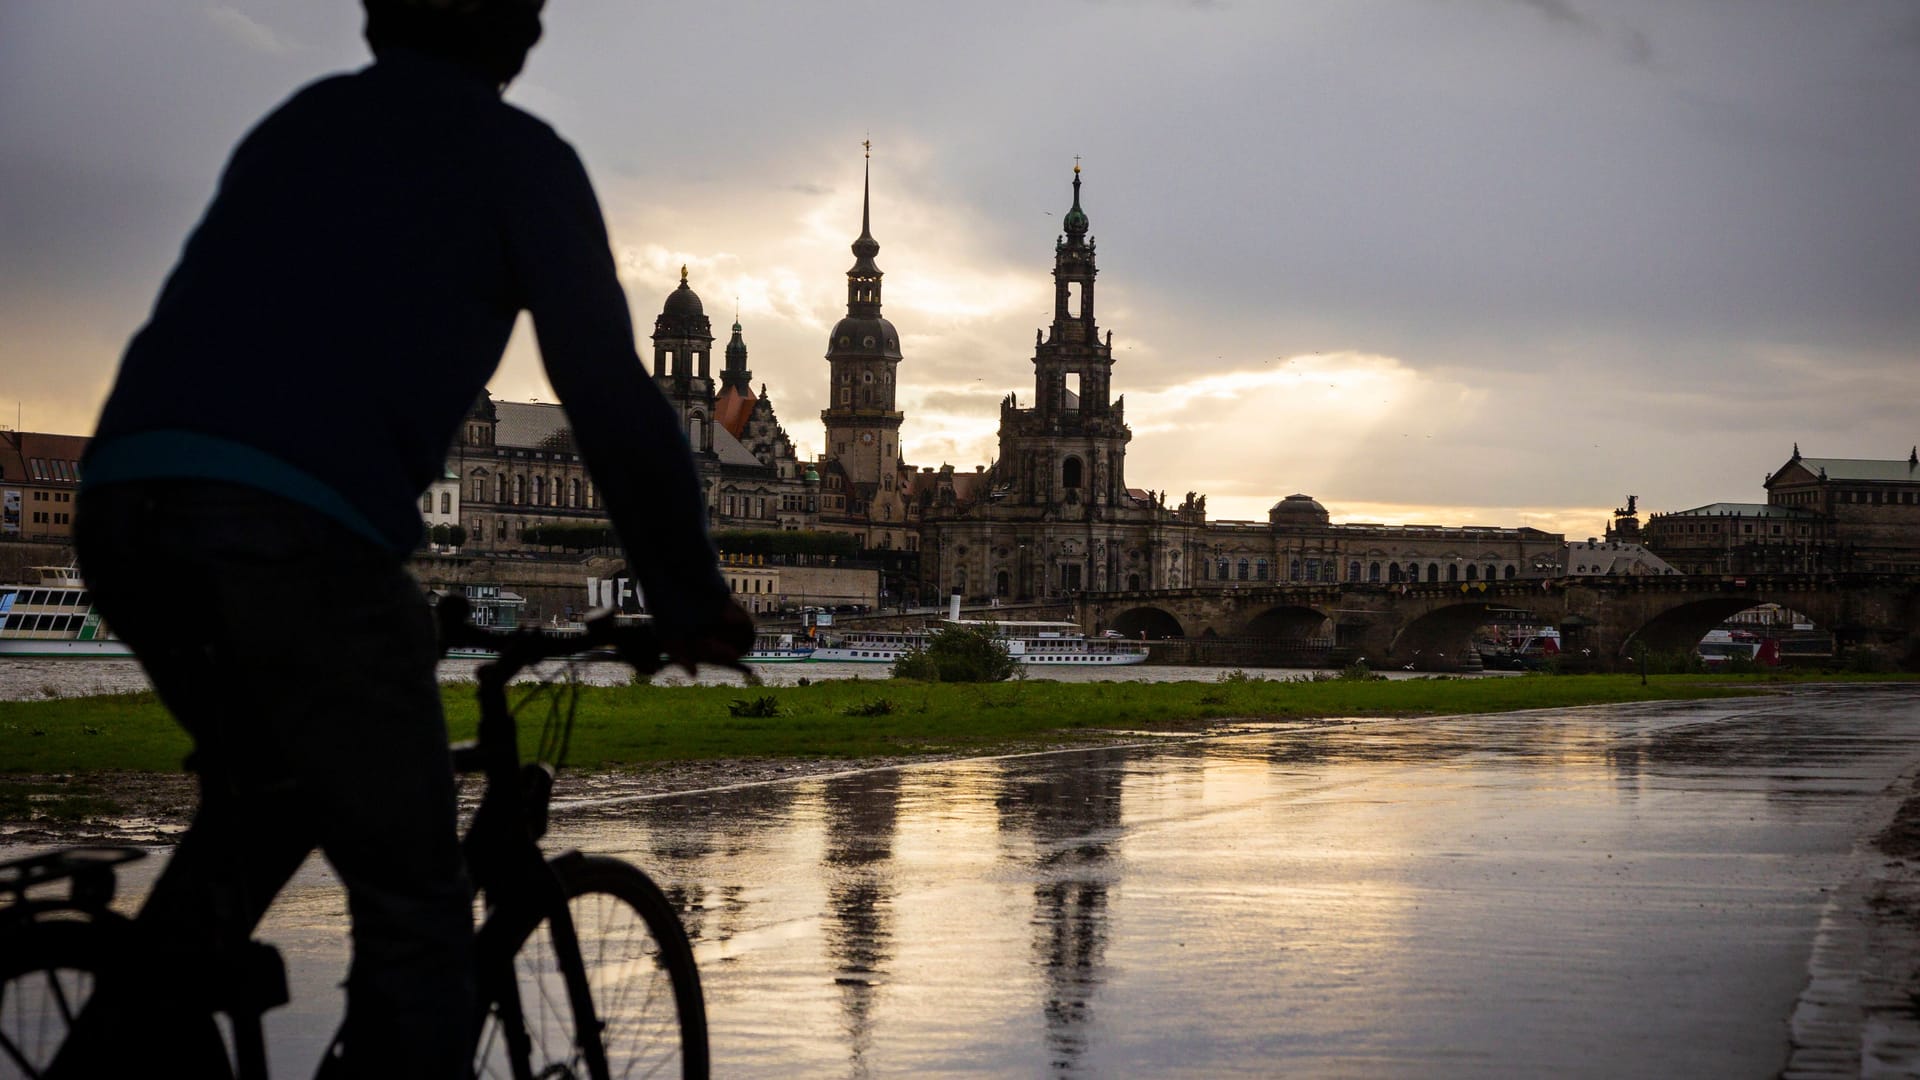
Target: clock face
x,y
866,436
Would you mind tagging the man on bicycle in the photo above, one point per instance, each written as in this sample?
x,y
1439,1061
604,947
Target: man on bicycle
x,y
251,497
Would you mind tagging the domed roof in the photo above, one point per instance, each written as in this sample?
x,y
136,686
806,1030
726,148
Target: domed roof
x,y
864,336
1076,219
1298,510
683,302
683,316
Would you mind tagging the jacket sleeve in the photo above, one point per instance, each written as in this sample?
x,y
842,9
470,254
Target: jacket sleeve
x,y
628,434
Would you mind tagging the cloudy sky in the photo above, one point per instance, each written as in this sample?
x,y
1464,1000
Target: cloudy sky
x,y
1452,261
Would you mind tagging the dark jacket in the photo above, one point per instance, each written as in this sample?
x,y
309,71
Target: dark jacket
x,y
353,285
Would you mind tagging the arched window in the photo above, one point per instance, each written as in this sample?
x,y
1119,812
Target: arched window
x,y
1353,570
519,489
573,493
1373,572
1133,582
1453,571
1293,570
1000,583
1433,571
539,489
1473,572
1222,574
1243,569
446,502
1328,571
1490,574
1260,570
1070,473
1510,571
1393,571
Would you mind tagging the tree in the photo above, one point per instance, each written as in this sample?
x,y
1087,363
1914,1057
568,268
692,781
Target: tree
x,y
958,654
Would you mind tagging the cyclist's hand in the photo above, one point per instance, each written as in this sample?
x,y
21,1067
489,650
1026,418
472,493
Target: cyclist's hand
x,y
724,640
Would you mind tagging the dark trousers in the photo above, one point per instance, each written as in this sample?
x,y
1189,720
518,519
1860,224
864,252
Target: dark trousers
x,y
300,657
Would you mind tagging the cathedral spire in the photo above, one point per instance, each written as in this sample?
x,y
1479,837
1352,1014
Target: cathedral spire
x,y
863,281
1076,219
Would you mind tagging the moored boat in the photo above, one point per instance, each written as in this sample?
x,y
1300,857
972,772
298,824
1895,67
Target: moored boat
x,y
51,616
1039,644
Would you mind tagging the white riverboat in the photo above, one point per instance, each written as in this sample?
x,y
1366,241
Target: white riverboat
x,y
52,616
1035,643
779,647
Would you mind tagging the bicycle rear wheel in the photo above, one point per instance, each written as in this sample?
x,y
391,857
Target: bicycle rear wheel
x,y
633,967
47,974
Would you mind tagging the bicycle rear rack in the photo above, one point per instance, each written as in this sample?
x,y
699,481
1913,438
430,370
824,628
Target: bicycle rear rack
x,y
90,869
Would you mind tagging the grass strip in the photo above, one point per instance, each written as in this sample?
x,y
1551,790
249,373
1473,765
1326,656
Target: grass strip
x,y
644,725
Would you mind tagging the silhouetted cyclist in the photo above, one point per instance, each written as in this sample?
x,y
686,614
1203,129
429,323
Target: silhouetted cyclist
x,y
251,495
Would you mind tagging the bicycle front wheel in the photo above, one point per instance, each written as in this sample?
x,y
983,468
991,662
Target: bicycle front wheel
x,y
47,973
624,1003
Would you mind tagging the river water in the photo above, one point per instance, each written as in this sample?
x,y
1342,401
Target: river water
x,y
1612,891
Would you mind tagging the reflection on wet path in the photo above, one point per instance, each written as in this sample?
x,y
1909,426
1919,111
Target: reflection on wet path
x,y
1616,891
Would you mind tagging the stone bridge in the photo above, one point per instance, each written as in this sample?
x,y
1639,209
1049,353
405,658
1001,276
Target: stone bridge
x,y
1607,620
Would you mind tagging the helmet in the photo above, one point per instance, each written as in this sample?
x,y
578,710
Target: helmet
x,y
492,36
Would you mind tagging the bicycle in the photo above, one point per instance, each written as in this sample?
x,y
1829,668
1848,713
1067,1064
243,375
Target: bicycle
x,y
584,969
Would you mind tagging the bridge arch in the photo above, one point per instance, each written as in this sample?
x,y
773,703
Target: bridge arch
x,y
1288,621
1152,623
1442,639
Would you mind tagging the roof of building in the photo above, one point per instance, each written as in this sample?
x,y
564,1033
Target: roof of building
x,y
1731,509
733,408
532,425
730,451
38,457
1872,469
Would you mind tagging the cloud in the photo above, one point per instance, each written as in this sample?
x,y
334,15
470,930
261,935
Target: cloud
x,y
246,30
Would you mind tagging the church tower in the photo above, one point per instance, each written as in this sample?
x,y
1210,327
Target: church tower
x,y
682,364
1067,452
734,405
863,427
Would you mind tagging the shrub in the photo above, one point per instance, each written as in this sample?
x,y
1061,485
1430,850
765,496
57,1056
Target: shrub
x,y
764,705
876,707
958,654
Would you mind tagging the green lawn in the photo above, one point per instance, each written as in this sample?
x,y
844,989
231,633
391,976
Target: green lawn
x,y
641,725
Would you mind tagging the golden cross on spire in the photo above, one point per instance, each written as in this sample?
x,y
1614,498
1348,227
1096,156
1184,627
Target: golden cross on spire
x,y
683,273
1076,164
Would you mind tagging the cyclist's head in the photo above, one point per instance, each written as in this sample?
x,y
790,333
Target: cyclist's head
x,y
491,36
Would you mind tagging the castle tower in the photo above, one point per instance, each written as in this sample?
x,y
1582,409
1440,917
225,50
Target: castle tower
x,y
682,365
734,405
863,427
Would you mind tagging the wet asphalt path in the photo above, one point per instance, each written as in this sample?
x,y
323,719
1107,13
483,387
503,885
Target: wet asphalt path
x,y
1619,891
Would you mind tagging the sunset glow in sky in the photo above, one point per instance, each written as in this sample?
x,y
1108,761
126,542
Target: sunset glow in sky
x,y
1452,261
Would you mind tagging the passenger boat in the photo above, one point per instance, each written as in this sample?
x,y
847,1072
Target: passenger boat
x,y
779,648
1040,644
52,616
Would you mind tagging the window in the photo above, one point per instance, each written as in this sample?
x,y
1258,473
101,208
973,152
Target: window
x,y
1473,572
1293,570
1353,570
426,503
1260,570
1453,572
1221,573
1070,472
1510,571
1313,569
1373,572
446,502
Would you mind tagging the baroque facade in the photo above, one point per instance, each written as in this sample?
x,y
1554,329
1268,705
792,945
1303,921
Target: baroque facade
x,y
1054,514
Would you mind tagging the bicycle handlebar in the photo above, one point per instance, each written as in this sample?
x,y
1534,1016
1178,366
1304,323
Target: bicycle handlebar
x,y
634,644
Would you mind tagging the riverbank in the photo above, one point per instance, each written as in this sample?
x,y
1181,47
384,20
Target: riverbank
x,y
108,767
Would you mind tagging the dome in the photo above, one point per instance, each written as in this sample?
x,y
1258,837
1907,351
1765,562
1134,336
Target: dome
x,y
683,303
864,336
1297,510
